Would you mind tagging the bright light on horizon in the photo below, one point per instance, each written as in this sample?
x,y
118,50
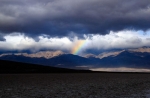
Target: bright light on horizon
x,y
121,69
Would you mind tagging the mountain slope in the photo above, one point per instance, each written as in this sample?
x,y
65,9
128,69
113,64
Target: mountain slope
x,y
66,60
18,67
128,59
124,58
41,54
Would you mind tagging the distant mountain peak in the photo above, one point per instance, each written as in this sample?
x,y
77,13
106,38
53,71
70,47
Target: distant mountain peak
x,y
90,55
106,54
142,49
5,54
44,54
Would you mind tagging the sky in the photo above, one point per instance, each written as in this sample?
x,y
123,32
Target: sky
x,y
73,26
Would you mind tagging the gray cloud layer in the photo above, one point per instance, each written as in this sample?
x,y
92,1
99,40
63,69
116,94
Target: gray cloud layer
x,y
2,38
60,17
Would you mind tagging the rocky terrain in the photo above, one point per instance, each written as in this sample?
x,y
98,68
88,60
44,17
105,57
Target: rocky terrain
x,y
44,54
117,52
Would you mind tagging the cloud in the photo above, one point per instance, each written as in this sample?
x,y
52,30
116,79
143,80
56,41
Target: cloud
x,y
59,18
18,41
2,37
121,39
112,40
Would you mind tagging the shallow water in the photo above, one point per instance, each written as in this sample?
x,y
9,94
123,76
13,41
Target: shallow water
x,y
74,85
147,94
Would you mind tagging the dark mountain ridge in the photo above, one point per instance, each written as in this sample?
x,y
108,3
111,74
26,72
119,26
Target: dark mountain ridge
x,y
131,58
19,67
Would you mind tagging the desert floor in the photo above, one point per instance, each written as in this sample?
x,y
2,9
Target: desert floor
x,y
75,85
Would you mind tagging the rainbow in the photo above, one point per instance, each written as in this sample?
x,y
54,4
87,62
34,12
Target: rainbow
x,y
78,47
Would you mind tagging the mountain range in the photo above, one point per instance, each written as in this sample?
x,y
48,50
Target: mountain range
x,y
129,58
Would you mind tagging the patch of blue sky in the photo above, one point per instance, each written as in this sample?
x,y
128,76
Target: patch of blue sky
x,y
144,33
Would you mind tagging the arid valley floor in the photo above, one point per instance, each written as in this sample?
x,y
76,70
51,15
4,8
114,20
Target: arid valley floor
x,y
75,85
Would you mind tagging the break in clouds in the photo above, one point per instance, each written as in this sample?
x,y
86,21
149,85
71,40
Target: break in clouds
x,y
117,40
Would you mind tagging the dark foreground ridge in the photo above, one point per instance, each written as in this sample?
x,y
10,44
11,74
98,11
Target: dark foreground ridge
x,y
19,67
9,67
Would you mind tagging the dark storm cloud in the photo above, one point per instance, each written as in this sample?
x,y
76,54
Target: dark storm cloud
x,y
60,17
2,37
